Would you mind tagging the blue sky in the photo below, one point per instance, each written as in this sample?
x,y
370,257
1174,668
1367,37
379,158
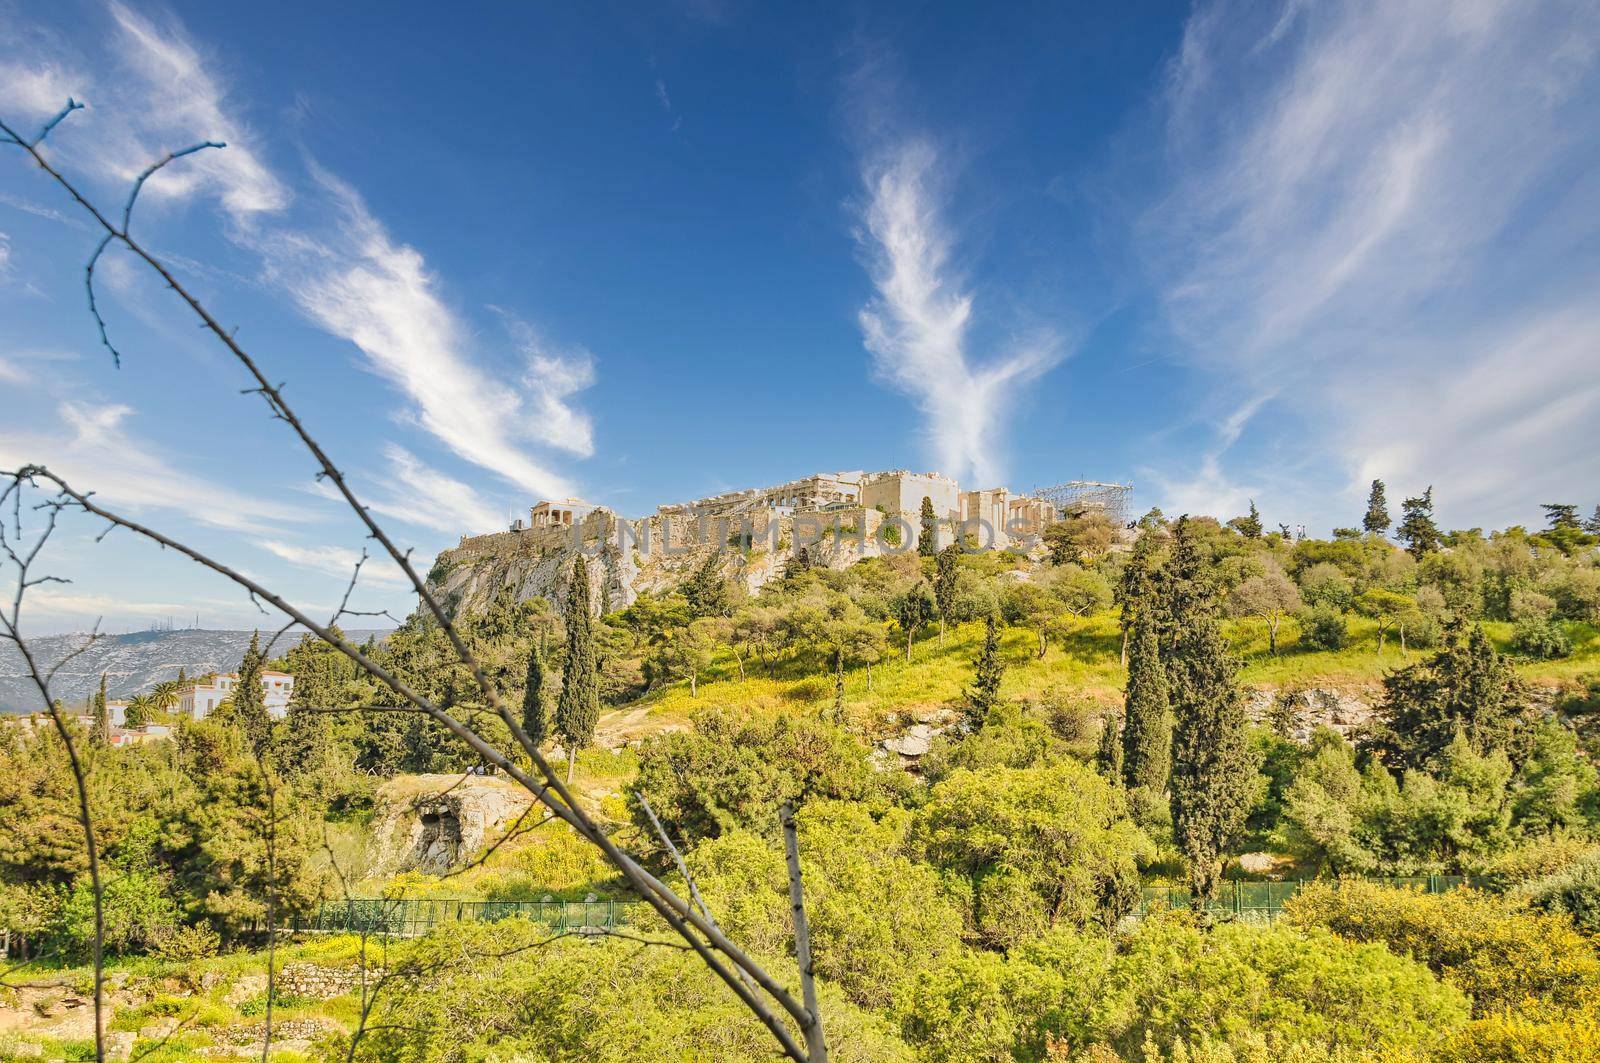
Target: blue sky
x,y
645,253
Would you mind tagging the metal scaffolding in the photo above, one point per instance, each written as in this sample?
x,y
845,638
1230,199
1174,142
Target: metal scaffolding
x,y
1077,496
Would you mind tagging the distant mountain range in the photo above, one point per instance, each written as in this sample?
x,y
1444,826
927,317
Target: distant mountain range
x,y
131,663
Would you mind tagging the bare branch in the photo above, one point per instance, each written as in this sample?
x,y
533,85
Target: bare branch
x,y
10,629
94,306
72,105
150,171
815,1042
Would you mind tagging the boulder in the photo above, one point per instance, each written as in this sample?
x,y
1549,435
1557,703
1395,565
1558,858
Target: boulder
x,y
916,741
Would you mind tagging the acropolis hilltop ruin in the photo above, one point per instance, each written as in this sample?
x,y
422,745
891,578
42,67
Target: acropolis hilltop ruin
x,y
837,518
864,502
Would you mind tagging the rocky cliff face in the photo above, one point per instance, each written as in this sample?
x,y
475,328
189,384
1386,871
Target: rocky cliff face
x,y
1347,711
629,558
1306,709
431,823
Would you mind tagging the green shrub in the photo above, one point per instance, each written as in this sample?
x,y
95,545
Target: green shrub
x,y
194,941
1574,892
503,991
1245,993
1325,628
876,916
980,1006
136,912
1497,955
732,772
1541,639
1534,859
1040,846
1583,700
1424,631
257,1005
1539,1035
1285,984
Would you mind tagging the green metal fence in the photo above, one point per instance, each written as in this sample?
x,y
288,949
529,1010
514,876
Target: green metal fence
x,y
1263,901
412,918
1249,901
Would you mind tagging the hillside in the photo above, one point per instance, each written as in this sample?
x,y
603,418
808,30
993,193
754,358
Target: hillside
x,y
991,824
131,662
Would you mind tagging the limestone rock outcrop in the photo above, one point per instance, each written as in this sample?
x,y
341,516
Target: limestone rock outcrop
x,y
431,823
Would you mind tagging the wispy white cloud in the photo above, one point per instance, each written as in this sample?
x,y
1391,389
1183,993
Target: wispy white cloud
x,y
349,274
666,105
551,379
424,496
20,367
184,104
100,451
36,89
917,327
344,271
1371,207
1206,486
58,604
332,560
358,283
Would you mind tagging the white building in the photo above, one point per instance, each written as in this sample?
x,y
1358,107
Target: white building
x,y
199,700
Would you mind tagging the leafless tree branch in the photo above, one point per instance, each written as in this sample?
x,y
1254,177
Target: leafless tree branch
x,y
22,558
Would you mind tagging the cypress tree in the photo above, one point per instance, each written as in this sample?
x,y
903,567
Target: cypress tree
x,y
100,716
1250,526
1136,589
1417,529
321,674
1562,515
1212,771
534,719
249,704
1147,728
1108,758
578,709
928,541
1377,519
944,584
990,669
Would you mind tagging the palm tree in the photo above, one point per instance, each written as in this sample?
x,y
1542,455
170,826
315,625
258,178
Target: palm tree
x,y
139,710
164,696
